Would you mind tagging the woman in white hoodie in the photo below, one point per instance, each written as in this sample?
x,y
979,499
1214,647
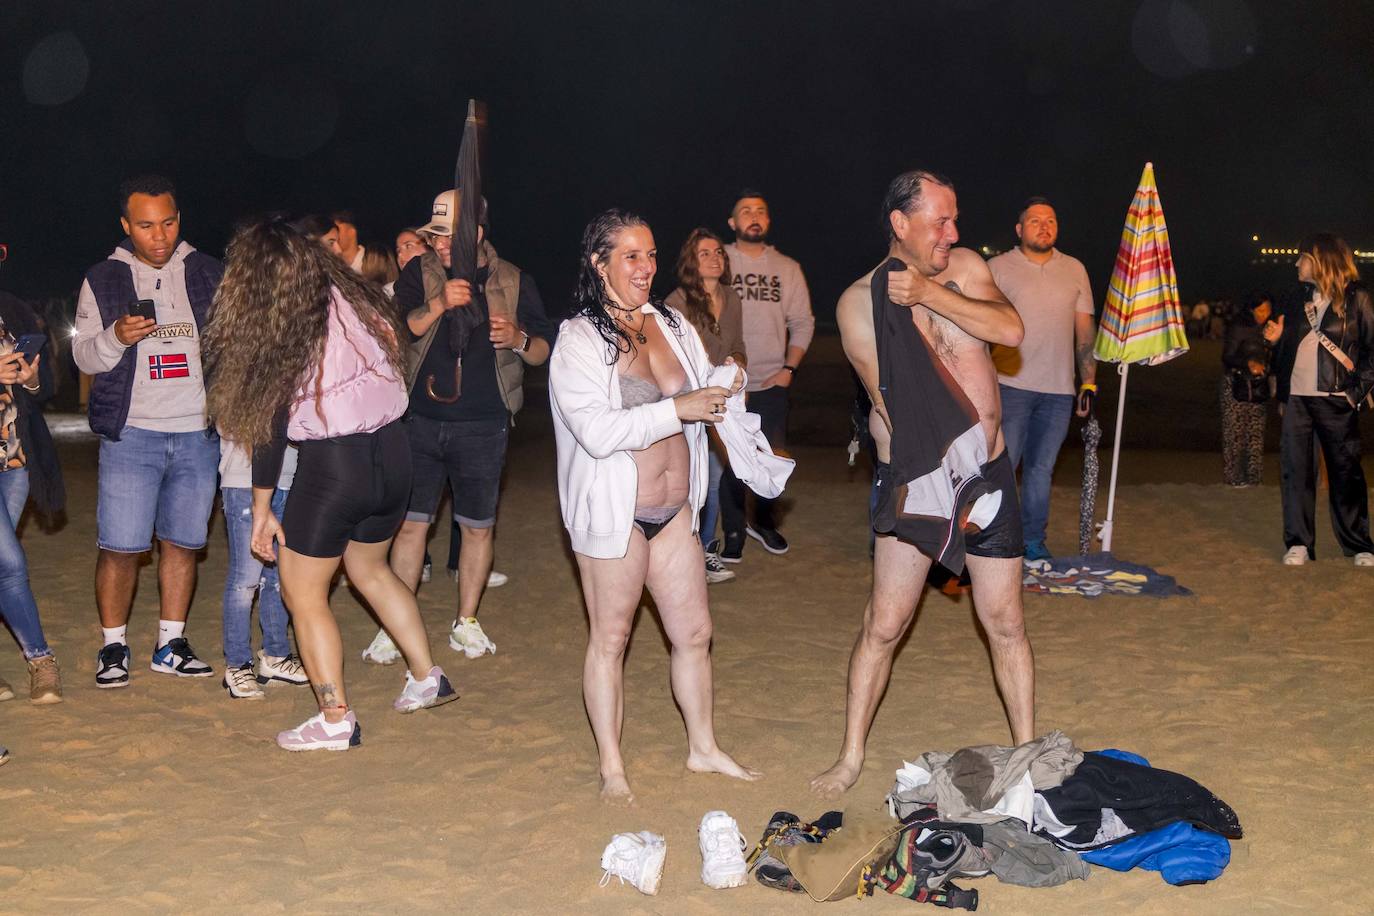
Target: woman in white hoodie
x,y
627,381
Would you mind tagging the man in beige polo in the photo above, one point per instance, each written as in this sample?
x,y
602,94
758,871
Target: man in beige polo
x,y
1051,293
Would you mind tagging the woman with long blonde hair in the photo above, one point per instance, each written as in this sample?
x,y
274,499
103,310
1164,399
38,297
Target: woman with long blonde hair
x,y
1324,356
301,348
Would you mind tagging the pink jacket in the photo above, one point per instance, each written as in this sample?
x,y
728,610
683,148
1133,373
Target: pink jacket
x,y
360,391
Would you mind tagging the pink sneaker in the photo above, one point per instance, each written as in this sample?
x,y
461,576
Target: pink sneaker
x,y
317,734
434,690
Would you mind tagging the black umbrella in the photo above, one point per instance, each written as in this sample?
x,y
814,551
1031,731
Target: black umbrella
x,y
463,259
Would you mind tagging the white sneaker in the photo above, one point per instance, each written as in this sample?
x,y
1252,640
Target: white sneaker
x,y
722,851
241,683
382,651
467,637
1364,558
496,579
1296,556
287,669
636,858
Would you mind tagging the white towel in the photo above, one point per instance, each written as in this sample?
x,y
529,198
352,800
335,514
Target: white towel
x,y
751,458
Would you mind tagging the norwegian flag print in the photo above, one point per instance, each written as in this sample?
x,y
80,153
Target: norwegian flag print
x,y
170,365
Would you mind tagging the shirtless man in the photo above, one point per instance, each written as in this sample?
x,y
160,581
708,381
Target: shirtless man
x,y
959,311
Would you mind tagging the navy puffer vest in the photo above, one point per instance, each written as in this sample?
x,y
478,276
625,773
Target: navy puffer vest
x,y
112,284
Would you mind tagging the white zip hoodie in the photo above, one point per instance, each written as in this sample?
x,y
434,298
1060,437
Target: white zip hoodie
x,y
597,477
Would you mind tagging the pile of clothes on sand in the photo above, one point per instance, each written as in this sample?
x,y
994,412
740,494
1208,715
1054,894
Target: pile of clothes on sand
x,y
1036,815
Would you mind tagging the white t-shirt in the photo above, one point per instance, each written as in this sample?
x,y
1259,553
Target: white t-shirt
x,y
1303,381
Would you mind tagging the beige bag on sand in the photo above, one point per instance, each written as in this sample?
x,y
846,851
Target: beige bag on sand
x,y
849,859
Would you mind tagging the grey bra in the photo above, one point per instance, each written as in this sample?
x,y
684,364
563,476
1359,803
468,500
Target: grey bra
x,y
637,391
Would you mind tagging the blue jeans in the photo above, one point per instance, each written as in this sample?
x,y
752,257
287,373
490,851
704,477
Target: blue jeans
x,y
248,577
16,597
151,481
1034,425
710,509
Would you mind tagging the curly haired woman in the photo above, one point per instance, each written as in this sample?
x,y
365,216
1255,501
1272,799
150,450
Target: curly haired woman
x,y
301,348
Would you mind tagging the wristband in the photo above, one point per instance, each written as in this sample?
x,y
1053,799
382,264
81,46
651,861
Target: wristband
x,y
1088,386
791,369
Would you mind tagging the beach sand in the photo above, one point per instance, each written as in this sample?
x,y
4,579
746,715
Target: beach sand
x,y
168,796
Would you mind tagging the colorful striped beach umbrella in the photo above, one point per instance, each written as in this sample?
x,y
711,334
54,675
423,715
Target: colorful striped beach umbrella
x,y
1142,319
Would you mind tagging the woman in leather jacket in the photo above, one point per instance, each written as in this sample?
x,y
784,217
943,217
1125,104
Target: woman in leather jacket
x,y
1324,378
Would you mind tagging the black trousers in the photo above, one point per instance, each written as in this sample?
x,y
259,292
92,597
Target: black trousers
x,y
1336,426
770,405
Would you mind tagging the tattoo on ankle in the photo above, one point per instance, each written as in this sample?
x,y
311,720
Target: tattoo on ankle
x,y
328,694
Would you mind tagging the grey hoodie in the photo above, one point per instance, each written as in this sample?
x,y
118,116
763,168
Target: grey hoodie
x,y
169,390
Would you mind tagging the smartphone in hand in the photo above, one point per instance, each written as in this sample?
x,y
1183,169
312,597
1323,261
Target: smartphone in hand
x,y
30,345
144,308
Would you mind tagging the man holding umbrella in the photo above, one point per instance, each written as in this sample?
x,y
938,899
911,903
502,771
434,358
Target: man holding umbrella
x,y
470,342
1051,294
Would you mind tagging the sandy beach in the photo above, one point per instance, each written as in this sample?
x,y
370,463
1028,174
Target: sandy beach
x,y
168,796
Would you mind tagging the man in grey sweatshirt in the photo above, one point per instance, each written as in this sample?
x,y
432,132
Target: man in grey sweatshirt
x,y
139,320
778,326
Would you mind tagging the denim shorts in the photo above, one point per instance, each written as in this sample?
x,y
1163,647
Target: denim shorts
x,y
154,482
467,454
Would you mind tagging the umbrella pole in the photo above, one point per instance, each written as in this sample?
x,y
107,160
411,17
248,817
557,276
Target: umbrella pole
x,y
1105,535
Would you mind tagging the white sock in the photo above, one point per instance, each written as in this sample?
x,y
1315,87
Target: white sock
x,y
115,634
168,630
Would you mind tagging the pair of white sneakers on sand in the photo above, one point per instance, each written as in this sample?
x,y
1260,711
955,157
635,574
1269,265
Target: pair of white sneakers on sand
x,y
637,858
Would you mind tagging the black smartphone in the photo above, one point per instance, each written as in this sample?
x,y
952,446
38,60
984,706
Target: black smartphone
x,y
144,308
30,344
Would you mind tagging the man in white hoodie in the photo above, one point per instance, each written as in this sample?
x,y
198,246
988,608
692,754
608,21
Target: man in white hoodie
x,y
139,319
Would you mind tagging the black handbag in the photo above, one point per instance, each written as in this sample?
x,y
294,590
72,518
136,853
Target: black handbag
x,y
1249,389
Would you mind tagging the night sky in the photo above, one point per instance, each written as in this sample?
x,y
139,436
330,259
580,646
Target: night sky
x,y
1258,116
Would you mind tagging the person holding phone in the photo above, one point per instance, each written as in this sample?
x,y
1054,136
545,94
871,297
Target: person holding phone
x,y
158,457
28,465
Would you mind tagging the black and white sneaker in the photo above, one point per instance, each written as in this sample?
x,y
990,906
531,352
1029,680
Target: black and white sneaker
x,y
177,658
112,666
771,539
715,569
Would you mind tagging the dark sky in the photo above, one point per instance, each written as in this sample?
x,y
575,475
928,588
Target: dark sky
x,y
1258,116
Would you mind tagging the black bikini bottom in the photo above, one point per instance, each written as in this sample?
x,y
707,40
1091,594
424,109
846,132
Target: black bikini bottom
x,y
652,526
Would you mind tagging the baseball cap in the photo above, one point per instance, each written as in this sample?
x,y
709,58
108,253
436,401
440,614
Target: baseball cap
x,y
442,215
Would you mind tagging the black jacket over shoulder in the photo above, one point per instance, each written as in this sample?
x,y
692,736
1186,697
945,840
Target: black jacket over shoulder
x,y
1353,332
40,455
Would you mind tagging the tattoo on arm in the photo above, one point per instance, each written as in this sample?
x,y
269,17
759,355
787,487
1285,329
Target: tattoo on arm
x,y
1087,365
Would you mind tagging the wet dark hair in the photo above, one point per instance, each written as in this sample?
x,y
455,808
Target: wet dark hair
x,y
590,297
1036,201
904,194
152,185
